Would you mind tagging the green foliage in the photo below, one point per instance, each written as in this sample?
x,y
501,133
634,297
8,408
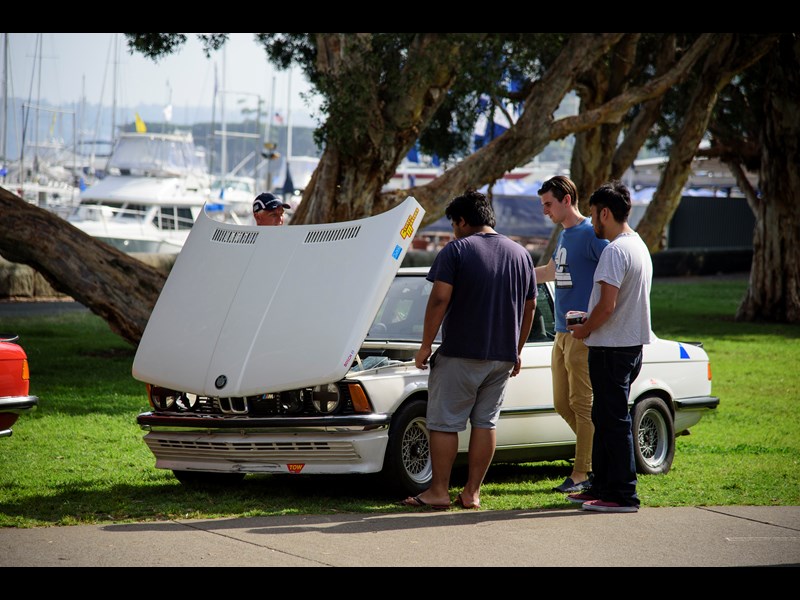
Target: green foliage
x,y
159,45
487,63
155,45
80,457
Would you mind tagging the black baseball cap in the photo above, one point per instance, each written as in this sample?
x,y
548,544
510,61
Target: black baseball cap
x,y
268,201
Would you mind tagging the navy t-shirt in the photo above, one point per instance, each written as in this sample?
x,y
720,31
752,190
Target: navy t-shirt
x,y
492,278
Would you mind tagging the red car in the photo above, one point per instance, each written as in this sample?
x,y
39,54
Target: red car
x,y
14,383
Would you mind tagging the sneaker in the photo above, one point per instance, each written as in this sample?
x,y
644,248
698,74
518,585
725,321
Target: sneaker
x,y
583,486
566,487
581,498
609,507
570,487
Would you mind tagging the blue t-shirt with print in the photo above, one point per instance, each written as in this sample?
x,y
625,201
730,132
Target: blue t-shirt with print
x,y
576,258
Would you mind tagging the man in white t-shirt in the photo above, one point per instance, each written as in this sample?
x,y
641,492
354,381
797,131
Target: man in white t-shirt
x,y
615,331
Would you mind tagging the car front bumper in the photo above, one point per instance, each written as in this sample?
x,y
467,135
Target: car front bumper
x,y
316,452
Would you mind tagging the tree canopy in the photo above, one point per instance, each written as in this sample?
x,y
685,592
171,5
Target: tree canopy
x,y
382,93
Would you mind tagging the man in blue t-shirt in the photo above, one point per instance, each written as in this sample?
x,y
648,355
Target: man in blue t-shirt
x,y
483,297
572,267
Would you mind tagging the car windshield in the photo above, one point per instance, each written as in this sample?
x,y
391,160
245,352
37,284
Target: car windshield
x,y
400,317
402,314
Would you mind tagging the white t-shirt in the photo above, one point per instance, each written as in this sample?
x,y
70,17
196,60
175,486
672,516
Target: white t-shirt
x,y
626,264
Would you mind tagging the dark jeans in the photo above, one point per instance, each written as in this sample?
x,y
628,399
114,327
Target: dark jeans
x,y
612,370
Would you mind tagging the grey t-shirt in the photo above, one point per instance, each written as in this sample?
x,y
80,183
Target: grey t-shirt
x,y
626,264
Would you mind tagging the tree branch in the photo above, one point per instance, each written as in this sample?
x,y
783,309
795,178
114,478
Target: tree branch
x,y
616,108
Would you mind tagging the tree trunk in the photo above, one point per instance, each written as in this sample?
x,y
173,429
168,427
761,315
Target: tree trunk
x,y
120,289
535,128
673,179
363,156
596,158
774,291
730,55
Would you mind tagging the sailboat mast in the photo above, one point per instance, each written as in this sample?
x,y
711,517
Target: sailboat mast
x,y
4,142
210,141
223,168
38,103
114,90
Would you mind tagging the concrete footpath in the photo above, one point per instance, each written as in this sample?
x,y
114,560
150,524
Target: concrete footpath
x,y
729,536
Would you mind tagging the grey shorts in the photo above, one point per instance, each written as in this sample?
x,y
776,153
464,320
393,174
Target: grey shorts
x,y
461,389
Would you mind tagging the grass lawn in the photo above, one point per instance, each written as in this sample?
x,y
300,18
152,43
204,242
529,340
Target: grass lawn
x,y
80,457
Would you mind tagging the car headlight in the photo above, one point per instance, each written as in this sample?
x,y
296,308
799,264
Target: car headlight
x,y
166,399
325,398
292,401
186,401
161,398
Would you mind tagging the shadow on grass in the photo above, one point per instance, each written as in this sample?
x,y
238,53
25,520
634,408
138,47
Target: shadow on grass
x,y
257,495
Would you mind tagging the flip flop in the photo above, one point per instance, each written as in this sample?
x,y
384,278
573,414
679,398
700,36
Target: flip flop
x,y
460,502
418,502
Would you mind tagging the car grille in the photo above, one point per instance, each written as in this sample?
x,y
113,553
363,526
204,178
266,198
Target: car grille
x,y
279,404
175,448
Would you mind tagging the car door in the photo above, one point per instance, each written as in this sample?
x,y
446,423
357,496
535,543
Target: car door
x,y
527,417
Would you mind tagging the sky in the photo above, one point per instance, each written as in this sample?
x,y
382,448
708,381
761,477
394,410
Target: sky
x,y
81,64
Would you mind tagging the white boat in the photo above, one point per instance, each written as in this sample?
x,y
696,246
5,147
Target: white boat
x,y
236,193
154,189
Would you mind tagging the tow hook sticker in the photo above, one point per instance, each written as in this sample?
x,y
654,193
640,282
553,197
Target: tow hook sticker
x,y
295,467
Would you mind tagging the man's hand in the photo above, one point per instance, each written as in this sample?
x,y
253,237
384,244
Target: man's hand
x,y
579,332
421,359
517,366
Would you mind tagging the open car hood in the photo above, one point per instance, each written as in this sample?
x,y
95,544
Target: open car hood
x,y
248,310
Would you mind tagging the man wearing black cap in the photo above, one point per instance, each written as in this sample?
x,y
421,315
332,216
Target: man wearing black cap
x,y
268,209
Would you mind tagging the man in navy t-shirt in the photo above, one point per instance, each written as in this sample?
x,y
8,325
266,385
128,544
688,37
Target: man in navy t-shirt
x,y
483,297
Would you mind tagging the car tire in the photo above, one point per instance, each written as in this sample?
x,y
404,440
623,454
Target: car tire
x,y
653,436
407,465
205,478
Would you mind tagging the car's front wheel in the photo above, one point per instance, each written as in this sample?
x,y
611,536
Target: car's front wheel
x,y
653,436
407,465
201,478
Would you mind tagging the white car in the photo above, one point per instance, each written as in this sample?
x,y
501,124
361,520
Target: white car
x,y
234,358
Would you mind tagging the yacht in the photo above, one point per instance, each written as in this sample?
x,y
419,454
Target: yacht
x,y
155,186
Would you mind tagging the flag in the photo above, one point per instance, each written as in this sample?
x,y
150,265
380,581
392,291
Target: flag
x,y
278,118
140,126
168,113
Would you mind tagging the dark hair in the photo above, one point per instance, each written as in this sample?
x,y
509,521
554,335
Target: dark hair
x,y
473,207
615,197
560,186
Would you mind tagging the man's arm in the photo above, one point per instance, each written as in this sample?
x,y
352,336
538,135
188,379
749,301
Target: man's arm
x,y
600,313
546,272
438,302
524,332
